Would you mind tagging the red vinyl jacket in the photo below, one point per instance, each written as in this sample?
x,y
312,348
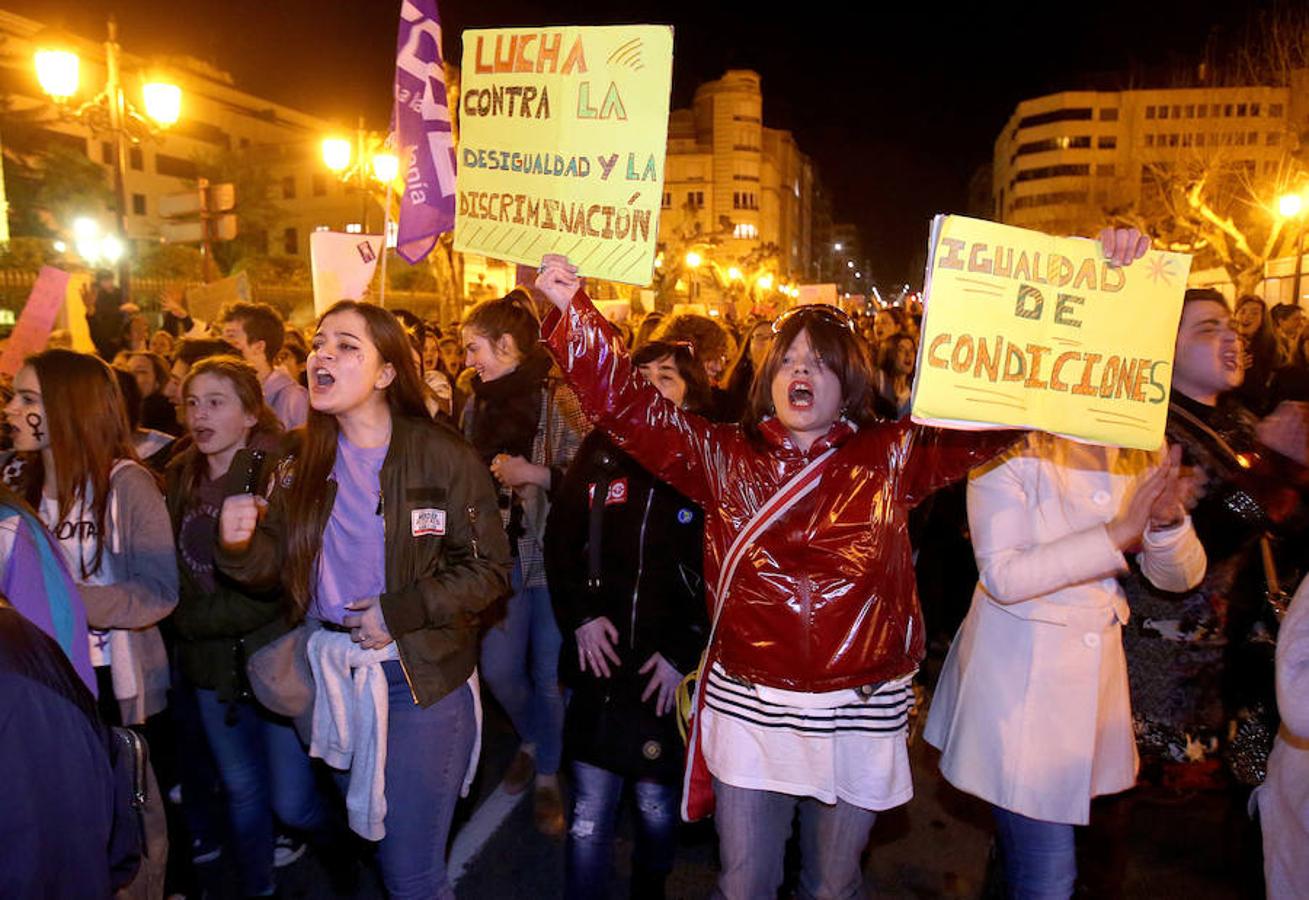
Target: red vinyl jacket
x,y
824,599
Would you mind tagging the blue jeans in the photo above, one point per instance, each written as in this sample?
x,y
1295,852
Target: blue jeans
x,y
597,794
520,666
427,752
753,827
266,771
1040,858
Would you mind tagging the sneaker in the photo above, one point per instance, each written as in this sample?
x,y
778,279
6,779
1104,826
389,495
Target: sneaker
x,y
200,854
286,851
519,774
548,811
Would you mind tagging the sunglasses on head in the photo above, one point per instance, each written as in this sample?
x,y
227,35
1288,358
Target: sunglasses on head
x,y
822,311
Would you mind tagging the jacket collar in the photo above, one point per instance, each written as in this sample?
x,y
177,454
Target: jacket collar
x,y
779,439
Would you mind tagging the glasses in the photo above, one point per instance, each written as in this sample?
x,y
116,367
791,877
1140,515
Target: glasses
x,y
830,314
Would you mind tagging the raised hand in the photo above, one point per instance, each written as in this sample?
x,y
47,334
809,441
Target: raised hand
x,y
1123,246
558,280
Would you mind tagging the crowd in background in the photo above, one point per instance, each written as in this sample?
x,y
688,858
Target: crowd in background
x,y
563,574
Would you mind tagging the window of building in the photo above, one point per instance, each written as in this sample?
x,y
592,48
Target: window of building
x,y
1252,138
1109,114
138,204
1269,167
1275,110
1274,138
136,159
745,231
1239,139
1177,110
1202,111
1240,109
695,199
1163,112
1149,112
1199,138
1190,110
1053,172
1051,199
1254,109
1149,140
290,241
174,166
319,185
1105,169
288,187
1227,110
1172,140
1216,110
1058,115
1076,142
1186,139
667,202
106,153
1106,142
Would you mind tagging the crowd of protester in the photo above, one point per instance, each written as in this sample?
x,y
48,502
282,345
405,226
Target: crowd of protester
x,y
296,562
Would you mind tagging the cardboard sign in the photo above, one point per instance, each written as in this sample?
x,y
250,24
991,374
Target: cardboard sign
x,y
1023,329
36,320
562,134
204,301
342,266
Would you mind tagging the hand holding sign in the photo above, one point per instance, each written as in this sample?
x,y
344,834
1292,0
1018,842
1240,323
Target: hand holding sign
x,y
558,280
1023,329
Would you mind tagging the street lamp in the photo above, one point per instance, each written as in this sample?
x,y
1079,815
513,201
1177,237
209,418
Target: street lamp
x,y
693,260
109,112
350,161
1291,206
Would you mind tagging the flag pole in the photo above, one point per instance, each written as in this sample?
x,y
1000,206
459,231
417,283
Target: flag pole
x,y
386,238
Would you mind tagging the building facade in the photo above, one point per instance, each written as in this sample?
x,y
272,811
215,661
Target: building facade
x,y
1065,162
216,118
724,166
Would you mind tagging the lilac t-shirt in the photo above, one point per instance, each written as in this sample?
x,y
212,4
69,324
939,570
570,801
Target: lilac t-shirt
x,y
352,564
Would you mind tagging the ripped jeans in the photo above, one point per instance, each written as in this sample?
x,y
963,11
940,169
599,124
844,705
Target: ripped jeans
x,y
597,795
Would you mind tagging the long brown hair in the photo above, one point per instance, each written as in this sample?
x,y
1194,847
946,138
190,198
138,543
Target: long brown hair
x,y
404,397
245,384
89,432
840,349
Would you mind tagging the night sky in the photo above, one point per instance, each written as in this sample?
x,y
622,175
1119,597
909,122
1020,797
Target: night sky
x,y
899,103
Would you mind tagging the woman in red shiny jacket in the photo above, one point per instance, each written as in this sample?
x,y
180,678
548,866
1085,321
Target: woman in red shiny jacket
x,y
803,699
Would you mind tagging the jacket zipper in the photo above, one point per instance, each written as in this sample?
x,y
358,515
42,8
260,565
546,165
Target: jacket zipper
x,y
399,652
640,564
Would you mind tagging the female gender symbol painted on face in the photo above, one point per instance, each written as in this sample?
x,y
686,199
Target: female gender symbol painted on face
x,y
34,422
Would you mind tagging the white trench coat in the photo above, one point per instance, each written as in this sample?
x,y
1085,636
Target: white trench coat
x,y
1032,712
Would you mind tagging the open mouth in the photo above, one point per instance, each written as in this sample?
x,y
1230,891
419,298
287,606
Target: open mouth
x,y
202,435
800,394
323,379
1231,362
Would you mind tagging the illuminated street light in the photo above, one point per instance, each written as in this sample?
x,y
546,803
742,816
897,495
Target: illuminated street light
x,y
849,264
111,249
837,247
693,260
163,102
1290,206
385,167
734,274
764,282
858,274
336,154
57,70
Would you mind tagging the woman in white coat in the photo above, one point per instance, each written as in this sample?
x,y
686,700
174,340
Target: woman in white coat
x,y
1032,712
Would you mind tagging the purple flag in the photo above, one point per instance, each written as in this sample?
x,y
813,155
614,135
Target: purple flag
x,y
423,134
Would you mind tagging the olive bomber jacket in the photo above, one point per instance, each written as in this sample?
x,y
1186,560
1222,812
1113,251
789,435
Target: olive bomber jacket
x,y
436,583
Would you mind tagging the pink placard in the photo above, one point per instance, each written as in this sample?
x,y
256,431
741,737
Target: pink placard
x,y
36,320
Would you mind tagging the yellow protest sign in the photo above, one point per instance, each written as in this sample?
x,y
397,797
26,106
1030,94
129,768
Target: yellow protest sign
x,y
562,133
1023,329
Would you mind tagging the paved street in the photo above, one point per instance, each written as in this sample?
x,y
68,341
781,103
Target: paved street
x,y
935,847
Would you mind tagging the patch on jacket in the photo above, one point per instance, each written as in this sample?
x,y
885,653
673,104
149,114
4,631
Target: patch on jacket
x,y
616,496
427,521
685,516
